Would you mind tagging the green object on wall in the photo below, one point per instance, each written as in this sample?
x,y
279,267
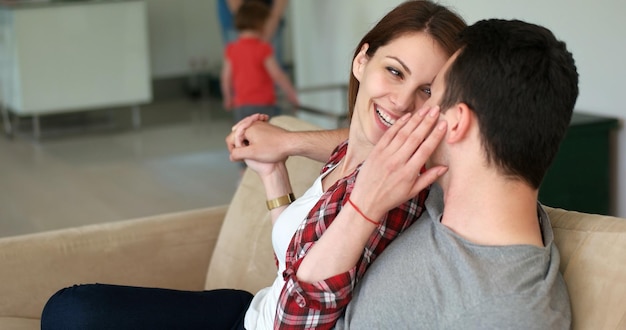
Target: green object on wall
x,y
580,177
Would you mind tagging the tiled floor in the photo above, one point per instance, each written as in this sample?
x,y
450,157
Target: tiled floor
x,y
92,167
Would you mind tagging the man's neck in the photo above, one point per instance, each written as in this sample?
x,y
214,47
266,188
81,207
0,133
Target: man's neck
x,y
489,209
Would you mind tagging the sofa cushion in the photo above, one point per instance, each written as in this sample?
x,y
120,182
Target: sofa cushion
x,y
18,323
593,264
243,257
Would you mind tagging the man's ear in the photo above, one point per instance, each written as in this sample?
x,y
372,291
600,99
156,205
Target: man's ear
x,y
359,61
460,119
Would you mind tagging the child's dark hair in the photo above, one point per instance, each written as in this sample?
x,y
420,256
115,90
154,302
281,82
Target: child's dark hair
x,y
252,15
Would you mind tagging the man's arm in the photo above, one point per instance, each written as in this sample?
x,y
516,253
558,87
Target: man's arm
x,y
268,143
316,145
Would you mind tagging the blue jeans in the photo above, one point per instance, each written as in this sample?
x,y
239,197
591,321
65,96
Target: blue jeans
x,y
101,306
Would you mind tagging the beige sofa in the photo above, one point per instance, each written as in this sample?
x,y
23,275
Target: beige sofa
x,y
229,247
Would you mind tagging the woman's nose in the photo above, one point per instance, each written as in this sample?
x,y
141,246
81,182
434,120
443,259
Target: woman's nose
x,y
404,100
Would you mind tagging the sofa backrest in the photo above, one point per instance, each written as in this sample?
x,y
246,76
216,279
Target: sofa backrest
x,y
243,257
593,264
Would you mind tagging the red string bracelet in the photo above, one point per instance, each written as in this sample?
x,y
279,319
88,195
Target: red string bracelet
x,y
361,213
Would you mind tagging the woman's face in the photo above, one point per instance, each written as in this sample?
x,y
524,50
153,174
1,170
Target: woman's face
x,y
394,81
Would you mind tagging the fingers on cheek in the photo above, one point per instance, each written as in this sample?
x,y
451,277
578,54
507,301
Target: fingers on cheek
x,y
401,130
387,137
438,132
413,130
432,129
426,149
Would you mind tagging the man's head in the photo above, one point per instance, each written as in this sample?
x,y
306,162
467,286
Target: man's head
x,y
521,85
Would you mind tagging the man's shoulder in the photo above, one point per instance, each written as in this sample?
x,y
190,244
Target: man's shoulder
x,y
429,265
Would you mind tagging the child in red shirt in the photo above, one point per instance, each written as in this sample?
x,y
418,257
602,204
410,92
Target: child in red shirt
x,y
250,68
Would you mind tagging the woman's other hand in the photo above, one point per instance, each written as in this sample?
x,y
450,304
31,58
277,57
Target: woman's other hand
x,y
391,174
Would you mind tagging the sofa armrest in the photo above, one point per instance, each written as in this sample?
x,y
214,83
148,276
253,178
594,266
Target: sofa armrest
x,y
168,251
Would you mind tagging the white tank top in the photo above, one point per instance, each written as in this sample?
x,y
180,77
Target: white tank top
x,y
262,310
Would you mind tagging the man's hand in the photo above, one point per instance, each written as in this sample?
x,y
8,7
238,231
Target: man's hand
x,y
391,173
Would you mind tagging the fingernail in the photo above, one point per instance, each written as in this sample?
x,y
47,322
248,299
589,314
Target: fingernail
x,y
405,117
442,125
434,111
442,170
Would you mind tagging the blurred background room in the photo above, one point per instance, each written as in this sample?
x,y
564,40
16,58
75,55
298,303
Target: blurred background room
x,y
111,109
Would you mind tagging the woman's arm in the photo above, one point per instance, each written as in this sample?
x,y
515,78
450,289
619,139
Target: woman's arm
x,y
277,184
389,177
274,176
323,271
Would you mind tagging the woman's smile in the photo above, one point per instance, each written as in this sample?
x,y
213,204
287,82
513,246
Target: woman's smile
x,y
384,118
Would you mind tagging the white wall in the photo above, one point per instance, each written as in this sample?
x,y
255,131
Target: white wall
x,y
325,32
182,31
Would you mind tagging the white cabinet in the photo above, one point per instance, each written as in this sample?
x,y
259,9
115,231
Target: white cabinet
x,y
73,56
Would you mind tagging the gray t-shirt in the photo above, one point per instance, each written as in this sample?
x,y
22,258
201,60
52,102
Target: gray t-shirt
x,y
431,278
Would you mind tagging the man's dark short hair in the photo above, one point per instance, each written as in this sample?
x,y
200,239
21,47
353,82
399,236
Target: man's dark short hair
x,y
522,84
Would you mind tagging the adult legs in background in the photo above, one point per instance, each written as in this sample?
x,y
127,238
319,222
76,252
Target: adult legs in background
x,y
102,306
277,45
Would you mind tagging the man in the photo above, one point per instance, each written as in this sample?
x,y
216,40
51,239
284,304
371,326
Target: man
x,y
487,260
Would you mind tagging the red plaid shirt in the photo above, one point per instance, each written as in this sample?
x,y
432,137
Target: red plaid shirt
x,y
318,305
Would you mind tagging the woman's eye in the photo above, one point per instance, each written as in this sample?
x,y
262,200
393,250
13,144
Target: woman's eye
x,y
394,71
427,91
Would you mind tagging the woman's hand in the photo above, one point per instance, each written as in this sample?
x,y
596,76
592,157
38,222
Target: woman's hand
x,y
262,168
391,173
262,141
273,173
237,134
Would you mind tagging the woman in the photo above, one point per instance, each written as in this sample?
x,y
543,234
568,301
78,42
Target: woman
x,y
392,69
